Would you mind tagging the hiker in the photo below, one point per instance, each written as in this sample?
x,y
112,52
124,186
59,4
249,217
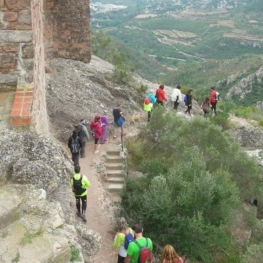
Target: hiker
x,y
117,115
104,123
79,184
84,136
205,106
213,100
176,96
169,255
160,95
134,248
119,240
74,144
95,128
149,101
188,101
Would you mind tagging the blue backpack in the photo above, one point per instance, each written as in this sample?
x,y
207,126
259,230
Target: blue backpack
x,y
120,121
128,239
185,99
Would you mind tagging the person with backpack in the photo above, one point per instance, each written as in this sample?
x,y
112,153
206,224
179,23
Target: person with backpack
x,y
95,128
79,184
83,135
148,103
118,120
176,96
139,250
74,144
122,238
104,123
188,101
214,96
169,255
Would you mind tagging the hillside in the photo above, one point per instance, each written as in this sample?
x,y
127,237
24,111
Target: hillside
x,y
196,45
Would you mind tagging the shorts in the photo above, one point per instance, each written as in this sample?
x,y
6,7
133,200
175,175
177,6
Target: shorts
x,y
116,125
96,140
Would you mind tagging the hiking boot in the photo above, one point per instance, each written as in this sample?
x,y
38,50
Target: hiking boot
x,y
83,217
78,214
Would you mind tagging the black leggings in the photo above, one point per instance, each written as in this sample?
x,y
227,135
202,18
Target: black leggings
x,y
83,203
213,107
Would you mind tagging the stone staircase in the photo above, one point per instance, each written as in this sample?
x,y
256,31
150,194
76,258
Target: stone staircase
x,y
115,173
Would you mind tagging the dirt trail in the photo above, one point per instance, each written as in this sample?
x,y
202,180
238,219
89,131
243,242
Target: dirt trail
x,y
98,213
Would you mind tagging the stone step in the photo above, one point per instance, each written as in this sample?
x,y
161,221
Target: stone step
x,y
113,159
117,173
115,187
117,180
113,151
114,166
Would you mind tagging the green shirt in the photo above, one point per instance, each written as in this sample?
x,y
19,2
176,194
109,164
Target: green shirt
x,y
85,182
134,251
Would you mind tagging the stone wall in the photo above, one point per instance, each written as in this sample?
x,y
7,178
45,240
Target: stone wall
x,y
32,33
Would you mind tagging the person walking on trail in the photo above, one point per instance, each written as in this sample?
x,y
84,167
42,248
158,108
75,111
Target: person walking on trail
x,y
205,106
176,97
95,128
84,137
134,248
149,101
117,114
160,95
169,255
188,101
79,184
104,123
119,240
213,99
74,144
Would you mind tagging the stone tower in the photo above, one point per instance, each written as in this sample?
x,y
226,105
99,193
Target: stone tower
x,y
32,32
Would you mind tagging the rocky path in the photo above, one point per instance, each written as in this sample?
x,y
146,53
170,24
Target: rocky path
x,y
100,215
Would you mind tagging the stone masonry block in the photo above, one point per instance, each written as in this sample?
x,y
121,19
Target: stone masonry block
x,y
16,36
24,17
2,3
8,78
10,16
16,5
27,51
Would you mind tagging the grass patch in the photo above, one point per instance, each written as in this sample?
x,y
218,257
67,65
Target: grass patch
x,y
27,238
16,258
74,254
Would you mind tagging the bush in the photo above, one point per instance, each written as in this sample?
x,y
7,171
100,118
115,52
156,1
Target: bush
x,y
195,177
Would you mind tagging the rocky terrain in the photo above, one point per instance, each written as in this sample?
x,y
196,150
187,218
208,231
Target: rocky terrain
x,y
37,223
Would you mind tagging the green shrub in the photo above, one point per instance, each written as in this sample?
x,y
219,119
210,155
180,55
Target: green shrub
x,y
74,254
195,178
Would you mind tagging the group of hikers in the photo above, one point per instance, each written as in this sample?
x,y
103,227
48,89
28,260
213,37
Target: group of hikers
x,y
133,247
177,97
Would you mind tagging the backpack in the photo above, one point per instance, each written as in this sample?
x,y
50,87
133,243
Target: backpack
x,y
120,121
147,101
185,99
217,96
128,239
75,147
77,186
145,252
80,131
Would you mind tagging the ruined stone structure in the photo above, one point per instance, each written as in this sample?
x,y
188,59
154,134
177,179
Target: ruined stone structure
x,y
32,33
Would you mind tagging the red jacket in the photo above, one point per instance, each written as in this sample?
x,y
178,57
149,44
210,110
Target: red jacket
x,y
213,96
95,125
160,95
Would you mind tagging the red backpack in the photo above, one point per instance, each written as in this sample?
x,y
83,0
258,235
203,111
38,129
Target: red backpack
x,y
145,255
